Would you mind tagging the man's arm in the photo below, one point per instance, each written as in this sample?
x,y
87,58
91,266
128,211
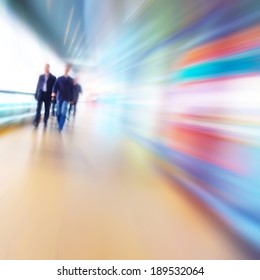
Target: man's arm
x,y
54,79
37,88
55,89
71,92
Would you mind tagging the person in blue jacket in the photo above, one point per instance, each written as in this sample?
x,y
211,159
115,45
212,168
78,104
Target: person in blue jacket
x,y
63,91
43,94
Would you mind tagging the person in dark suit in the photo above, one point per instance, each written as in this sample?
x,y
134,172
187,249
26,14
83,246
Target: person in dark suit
x,y
43,95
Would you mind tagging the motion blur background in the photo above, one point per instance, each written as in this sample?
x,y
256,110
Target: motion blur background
x,y
180,78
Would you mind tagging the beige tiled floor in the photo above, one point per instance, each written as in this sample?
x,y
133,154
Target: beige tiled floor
x,y
87,194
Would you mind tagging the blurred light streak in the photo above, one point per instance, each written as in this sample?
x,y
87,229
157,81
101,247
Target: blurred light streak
x,y
239,42
48,4
75,49
137,10
189,76
74,36
68,25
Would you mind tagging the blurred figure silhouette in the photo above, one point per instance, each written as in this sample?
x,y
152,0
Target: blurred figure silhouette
x,y
43,94
53,105
63,91
76,91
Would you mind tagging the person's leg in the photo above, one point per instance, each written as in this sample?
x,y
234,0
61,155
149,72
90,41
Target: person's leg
x,y
75,108
47,104
53,108
64,108
38,113
70,108
58,110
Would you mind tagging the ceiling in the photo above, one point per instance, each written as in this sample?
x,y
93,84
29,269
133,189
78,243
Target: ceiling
x,y
60,23
75,29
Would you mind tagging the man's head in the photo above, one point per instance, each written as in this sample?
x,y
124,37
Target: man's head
x,y
47,68
67,69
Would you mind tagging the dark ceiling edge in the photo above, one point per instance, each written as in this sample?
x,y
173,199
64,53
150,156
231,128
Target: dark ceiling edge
x,y
35,22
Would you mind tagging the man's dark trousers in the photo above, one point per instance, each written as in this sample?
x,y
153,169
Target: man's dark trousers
x,y
43,98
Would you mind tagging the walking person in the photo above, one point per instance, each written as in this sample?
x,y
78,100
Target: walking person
x,y
43,94
63,91
76,91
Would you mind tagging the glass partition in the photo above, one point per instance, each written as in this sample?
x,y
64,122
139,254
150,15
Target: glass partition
x,y
15,107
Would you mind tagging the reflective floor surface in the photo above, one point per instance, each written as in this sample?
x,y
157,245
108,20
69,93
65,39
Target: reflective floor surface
x,y
92,193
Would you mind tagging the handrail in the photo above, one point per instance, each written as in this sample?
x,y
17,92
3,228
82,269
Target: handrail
x,y
15,92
